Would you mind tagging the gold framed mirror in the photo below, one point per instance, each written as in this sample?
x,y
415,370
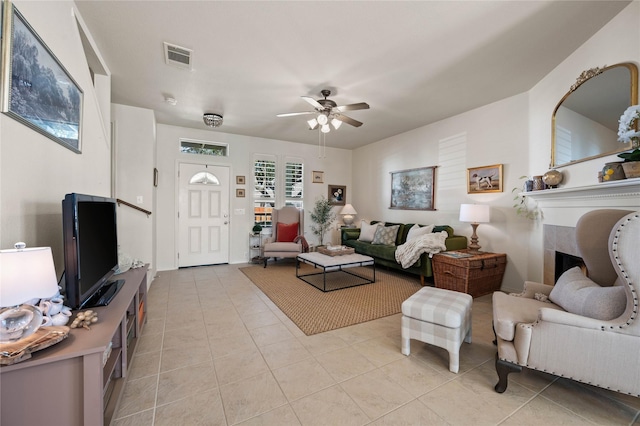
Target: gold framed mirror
x,y
584,124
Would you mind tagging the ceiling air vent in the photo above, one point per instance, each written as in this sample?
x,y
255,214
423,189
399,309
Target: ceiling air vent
x,y
177,56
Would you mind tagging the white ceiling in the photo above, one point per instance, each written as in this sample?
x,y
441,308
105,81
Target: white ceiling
x,y
413,62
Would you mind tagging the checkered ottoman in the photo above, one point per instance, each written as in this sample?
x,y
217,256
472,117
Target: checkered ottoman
x,y
438,317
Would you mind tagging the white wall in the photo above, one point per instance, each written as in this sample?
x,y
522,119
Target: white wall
x,y
336,167
135,140
35,171
493,134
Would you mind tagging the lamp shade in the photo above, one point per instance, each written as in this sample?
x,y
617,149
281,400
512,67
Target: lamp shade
x,y
26,274
474,213
348,209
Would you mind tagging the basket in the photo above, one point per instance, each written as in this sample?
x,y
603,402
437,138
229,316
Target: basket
x,y
478,275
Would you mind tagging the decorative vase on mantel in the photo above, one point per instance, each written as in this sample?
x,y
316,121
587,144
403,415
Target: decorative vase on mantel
x,y
613,171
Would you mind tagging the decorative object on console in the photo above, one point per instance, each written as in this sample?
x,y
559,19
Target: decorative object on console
x,y
484,179
413,189
25,274
347,213
85,319
476,214
552,178
257,228
612,171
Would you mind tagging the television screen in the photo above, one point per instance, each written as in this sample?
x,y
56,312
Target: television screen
x,y
90,247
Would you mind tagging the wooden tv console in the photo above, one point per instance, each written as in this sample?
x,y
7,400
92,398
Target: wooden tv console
x,y
68,383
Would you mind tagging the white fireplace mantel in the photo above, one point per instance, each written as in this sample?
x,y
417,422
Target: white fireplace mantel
x,y
563,206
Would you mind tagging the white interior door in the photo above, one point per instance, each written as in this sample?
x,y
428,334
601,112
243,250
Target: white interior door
x,y
203,215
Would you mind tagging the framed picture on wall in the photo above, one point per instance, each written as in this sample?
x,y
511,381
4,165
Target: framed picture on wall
x,y
484,179
337,195
413,189
317,177
240,192
240,180
40,93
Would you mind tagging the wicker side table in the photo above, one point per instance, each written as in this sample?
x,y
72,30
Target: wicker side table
x,y
476,275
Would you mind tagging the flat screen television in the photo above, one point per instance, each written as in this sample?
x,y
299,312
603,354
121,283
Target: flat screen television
x,y
90,250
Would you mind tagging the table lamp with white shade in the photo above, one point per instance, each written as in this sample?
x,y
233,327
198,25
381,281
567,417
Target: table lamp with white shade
x,y
25,274
475,214
347,213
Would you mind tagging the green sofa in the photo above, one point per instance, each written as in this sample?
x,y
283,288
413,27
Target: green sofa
x,y
385,254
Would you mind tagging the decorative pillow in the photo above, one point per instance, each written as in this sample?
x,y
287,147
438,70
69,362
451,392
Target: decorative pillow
x,y
286,232
386,235
417,230
579,295
367,231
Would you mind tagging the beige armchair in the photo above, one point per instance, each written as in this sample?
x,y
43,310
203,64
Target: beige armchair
x,y
588,333
287,238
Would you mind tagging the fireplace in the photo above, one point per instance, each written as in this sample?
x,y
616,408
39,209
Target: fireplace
x,y
566,261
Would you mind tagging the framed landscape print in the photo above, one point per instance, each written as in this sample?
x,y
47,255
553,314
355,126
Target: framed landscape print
x,y
413,189
337,195
484,179
38,91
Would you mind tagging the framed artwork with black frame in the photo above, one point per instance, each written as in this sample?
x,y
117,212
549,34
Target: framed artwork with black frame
x,y
337,195
37,90
484,179
413,189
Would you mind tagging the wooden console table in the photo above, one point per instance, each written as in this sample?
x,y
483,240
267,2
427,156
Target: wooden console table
x,y
68,383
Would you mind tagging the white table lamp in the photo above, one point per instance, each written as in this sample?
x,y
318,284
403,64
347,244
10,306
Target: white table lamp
x,y
475,214
25,274
347,213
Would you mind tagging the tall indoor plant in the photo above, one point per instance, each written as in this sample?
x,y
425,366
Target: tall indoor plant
x,y
323,216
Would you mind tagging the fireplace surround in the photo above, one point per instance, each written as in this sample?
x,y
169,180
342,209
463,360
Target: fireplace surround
x,y
562,207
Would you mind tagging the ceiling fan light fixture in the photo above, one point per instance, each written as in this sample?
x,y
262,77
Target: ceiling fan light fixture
x,y
325,128
212,120
322,119
313,123
336,123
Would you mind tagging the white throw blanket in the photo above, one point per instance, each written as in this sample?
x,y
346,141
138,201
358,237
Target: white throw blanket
x,y
408,253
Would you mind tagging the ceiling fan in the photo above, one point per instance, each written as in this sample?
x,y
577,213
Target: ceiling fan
x,y
328,112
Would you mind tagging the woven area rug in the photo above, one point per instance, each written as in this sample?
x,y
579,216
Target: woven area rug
x,y
314,311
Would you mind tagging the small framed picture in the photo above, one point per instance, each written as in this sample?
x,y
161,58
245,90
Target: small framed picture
x,y
317,177
240,192
484,179
240,180
337,195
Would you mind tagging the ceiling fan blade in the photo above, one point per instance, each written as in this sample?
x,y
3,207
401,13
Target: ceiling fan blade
x,y
348,120
352,107
313,102
290,114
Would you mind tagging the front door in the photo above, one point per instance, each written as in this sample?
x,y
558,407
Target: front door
x,y
203,215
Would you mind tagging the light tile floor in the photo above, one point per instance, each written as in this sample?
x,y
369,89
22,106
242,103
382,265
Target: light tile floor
x,y
217,351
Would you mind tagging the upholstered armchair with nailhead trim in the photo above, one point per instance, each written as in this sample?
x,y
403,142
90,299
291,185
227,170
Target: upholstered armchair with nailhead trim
x,y
585,328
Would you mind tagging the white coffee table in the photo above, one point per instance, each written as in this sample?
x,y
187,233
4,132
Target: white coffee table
x,y
337,272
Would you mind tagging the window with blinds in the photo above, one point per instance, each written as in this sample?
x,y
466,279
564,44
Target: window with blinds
x,y
264,190
276,185
294,184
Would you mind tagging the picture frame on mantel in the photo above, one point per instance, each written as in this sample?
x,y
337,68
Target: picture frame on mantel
x,y
46,98
484,179
413,189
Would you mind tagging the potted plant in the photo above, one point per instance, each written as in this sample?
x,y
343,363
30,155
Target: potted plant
x,y
323,216
631,164
256,228
525,207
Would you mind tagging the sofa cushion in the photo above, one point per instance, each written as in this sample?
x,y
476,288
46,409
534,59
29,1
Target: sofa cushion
x,y
579,295
286,232
417,230
367,231
386,235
